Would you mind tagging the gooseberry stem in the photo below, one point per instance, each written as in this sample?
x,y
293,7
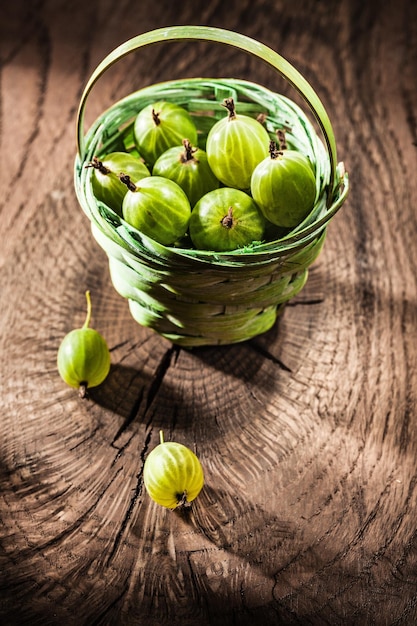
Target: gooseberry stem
x,y
82,390
88,316
189,151
230,106
182,501
98,165
161,436
155,117
227,220
125,178
274,153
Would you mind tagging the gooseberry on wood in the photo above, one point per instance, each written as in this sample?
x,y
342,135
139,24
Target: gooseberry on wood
x,y
83,356
235,145
172,474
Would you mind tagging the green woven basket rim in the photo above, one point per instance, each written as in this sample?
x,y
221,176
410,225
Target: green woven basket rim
x,y
108,126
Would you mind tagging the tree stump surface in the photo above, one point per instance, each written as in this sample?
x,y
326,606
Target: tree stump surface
x,y
307,434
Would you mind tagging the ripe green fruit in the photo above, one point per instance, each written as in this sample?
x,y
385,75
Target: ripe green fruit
x,y
172,474
284,187
105,181
160,126
189,168
235,146
157,207
225,219
83,356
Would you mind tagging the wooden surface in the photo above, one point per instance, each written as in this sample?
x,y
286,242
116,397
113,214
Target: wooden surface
x,y
307,435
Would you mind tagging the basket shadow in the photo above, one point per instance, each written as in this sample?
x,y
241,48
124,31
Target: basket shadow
x,y
189,386
121,391
249,352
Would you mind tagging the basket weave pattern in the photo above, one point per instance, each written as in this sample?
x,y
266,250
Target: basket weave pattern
x,y
195,297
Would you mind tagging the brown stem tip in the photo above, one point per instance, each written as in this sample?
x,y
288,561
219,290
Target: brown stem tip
x,y
126,180
230,106
227,221
155,117
83,391
261,118
183,503
274,153
98,165
189,151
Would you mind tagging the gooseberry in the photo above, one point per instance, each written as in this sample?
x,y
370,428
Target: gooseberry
x,y
172,474
105,181
235,145
225,219
160,126
189,168
83,356
284,186
157,207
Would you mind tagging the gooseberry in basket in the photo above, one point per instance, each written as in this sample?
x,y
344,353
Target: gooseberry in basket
x,y
188,167
172,474
83,356
284,186
157,207
225,219
160,126
235,145
105,181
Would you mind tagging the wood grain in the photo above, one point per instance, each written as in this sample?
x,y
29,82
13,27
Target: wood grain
x,y
307,434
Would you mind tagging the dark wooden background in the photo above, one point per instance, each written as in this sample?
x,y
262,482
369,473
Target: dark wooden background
x,y
308,434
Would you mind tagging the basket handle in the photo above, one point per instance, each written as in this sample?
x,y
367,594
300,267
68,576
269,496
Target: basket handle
x,y
243,42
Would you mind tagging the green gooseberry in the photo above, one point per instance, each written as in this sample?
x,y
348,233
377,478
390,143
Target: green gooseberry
x,y
225,219
283,185
172,474
235,145
83,356
188,167
160,126
157,207
105,180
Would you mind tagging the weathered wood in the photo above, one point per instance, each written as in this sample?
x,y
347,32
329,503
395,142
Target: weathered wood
x,y
307,435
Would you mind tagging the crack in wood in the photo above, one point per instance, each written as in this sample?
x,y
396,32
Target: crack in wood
x,y
310,302
154,388
267,355
119,345
133,500
129,419
158,379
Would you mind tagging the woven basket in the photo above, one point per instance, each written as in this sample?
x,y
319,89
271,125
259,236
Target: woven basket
x,y
195,297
